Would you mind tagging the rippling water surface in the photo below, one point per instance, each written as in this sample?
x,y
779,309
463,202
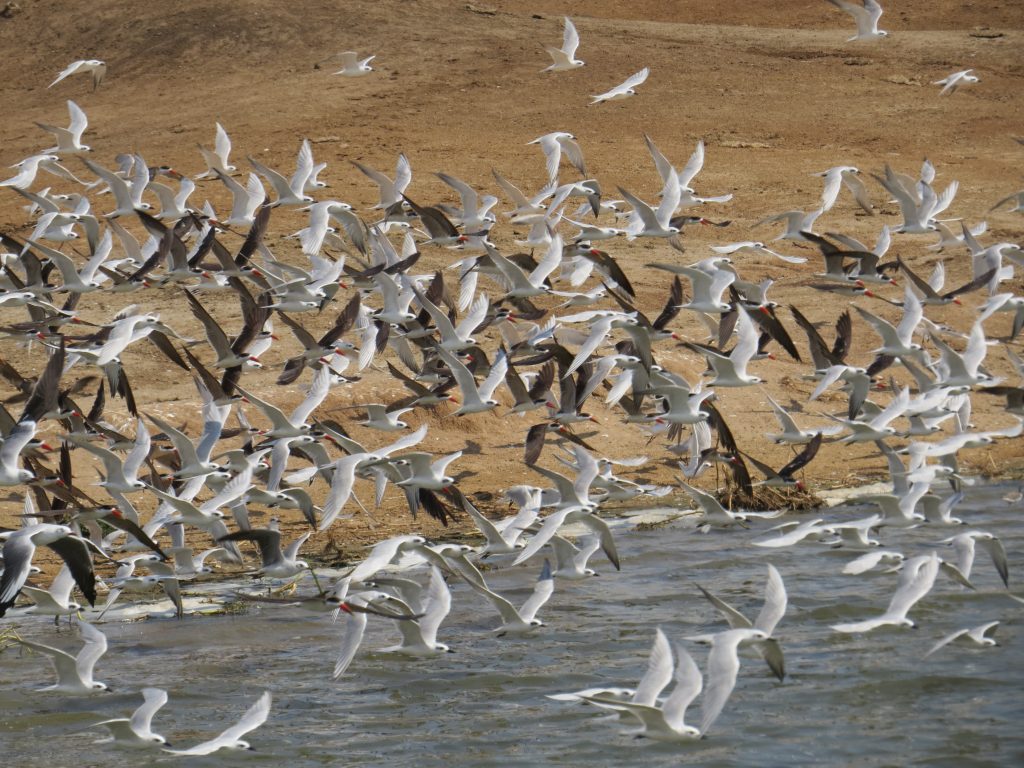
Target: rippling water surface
x,y
865,700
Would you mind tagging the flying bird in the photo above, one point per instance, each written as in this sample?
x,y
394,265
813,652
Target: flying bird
x,y
254,717
353,66
866,14
138,729
95,67
951,82
564,58
624,90
75,673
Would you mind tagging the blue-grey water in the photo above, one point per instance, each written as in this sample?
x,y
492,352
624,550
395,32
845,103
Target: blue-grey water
x,y
862,700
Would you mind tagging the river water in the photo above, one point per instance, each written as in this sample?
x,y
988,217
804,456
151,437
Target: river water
x,y
863,700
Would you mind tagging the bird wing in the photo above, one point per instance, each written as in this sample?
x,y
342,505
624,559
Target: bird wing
x,y
17,556
267,540
574,155
802,459
138,453
634,80
214,333
786,421
388,194
995,549
600,527
570,39
303,169
913,586
945,641
746,344
542,592
708,503
222,144
665,169
693,166
658,673
277,181
912,314
926,287
437,604
689,683
641,209
487,528
494,378
95,646
723,666
598,331
64,663
71,69
341,488
142,718
355,627
463,377
118,186
774,602
736,619
671,193
254,717
630,82
79,122
587,471
548,529
468,197
317,392
77,556
552,258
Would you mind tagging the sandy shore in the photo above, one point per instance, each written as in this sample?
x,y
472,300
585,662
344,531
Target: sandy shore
x,y
775,99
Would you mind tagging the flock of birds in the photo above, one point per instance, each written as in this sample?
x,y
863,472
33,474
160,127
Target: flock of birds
x,y
547,349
